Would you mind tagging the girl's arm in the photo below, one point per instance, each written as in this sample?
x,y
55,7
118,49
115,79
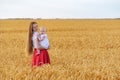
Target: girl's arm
x,y
40,38
38,46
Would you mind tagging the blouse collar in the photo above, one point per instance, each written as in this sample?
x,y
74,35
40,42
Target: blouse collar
x,y
35,32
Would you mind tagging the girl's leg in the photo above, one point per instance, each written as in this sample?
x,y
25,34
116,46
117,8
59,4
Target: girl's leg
x,y
41,47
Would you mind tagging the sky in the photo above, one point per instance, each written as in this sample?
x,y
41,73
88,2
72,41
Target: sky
x,y
59,8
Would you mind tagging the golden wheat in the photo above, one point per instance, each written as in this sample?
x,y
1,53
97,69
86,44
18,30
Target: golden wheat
x,y
80,50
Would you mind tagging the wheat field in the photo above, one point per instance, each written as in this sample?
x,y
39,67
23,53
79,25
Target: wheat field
x,y
80,50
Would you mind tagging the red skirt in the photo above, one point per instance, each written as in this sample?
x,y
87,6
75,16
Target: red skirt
x,y
40,59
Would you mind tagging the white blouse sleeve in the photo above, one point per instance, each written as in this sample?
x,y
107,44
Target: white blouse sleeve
x,y
34,38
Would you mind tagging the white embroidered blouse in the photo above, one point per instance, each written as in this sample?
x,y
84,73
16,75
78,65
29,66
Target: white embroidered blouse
x,y
34,38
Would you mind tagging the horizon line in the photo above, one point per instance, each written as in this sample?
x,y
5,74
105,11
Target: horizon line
x,y
56,18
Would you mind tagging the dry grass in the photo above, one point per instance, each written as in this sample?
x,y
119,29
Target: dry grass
x,y
80,50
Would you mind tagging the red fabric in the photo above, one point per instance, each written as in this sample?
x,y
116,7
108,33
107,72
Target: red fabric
x,y
40,59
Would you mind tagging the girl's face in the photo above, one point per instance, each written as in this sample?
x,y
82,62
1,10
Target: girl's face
x,y
42,30
35,27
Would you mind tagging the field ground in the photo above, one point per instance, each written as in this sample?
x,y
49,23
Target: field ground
x,y
80,50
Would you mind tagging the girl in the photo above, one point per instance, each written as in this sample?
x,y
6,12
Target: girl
x,y
43,39
33,46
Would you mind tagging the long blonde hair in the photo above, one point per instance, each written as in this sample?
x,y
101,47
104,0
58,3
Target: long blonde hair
x,y
30,43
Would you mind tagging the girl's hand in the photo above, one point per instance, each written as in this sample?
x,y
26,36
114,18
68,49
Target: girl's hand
x,y
38,52
42,38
